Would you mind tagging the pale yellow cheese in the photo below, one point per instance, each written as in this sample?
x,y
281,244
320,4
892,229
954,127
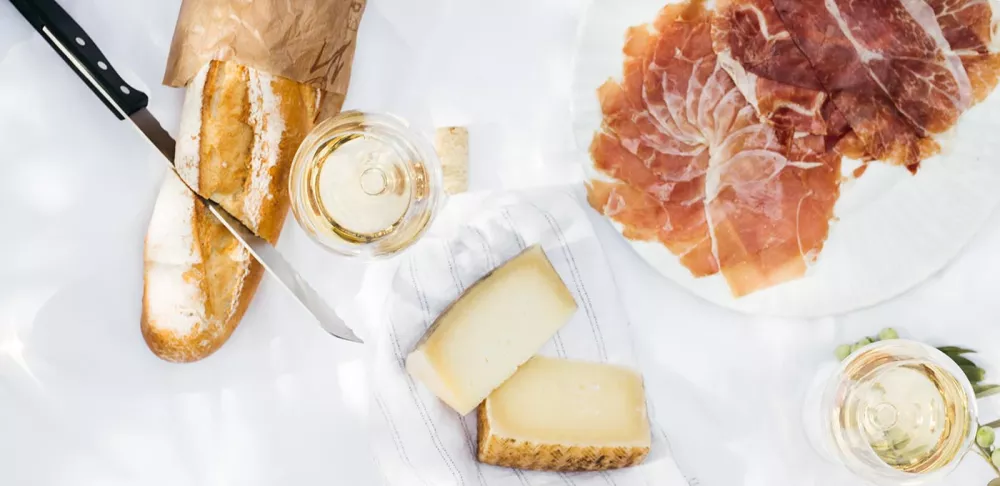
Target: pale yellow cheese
x,y
565,415
497,325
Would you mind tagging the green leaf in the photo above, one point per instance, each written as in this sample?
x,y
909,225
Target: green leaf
x,y
973,373
962,361
954,350
985,390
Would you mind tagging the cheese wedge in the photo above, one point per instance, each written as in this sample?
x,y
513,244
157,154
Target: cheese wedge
x,y
564,415
497,325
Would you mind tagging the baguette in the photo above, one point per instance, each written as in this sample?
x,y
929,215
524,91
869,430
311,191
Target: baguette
x,y
239,131
198,278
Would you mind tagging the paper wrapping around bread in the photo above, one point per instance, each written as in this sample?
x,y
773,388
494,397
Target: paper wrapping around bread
x,y
239,132
308,41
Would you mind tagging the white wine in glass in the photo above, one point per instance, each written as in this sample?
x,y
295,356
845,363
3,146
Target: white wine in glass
x,y
898,412
365,184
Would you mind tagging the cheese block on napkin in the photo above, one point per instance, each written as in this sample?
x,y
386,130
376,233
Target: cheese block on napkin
x,y
239,131
565,415
497,325
416,438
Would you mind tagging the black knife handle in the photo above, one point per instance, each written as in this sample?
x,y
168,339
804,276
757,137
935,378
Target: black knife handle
x,y
82,55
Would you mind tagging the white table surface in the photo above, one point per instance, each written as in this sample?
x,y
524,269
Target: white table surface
x,y
83,402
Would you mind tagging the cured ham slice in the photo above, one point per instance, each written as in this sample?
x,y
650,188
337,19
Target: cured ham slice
x,y
774,76
969,27
644,218
662,165
772,207
887,67
689,164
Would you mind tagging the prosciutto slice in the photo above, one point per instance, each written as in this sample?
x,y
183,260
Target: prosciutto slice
x,y
969,28
887,67
690,164
662,163
774,76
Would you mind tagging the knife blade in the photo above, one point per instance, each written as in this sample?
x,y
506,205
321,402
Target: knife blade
x,y
78,51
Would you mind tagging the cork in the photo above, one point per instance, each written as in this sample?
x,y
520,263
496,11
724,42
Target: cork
x,y
452,146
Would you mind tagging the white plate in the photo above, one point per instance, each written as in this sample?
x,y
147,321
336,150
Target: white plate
x,y
894,229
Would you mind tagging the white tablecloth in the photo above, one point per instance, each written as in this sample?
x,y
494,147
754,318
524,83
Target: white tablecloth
x,y
82,401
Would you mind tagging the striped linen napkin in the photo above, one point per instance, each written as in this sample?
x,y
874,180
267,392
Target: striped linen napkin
x,y
418,440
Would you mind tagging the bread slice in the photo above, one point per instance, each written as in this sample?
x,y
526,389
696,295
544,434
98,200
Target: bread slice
x,y
198,278
239,132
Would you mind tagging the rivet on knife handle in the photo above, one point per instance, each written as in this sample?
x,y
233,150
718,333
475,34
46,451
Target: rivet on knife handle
x,y
80,52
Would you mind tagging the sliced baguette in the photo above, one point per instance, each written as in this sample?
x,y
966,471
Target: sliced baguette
x,y
239,131
198,279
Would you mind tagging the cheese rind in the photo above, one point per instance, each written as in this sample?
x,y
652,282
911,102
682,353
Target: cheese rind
x,y
564,415
491,330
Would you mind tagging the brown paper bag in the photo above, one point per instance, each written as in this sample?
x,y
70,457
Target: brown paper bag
x,y
309,41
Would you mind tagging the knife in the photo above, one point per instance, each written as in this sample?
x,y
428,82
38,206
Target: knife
x,y
85,58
